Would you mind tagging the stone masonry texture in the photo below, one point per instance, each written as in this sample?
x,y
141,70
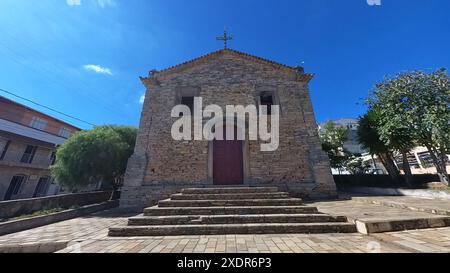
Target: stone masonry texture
x,y
162,166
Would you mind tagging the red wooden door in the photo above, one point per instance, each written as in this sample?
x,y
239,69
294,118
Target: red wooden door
x,y
228,162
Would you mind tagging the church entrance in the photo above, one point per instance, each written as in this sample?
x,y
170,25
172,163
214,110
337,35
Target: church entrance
x,y
228,161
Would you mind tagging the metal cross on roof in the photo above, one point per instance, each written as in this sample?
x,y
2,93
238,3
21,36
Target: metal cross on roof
x,y
225,38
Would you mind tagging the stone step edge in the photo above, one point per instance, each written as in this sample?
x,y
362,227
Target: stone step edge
x,y
281,228
381,226
230,189
227,196
224,210
231,202
267,218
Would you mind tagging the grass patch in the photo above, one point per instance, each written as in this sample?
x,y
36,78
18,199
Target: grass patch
x,y
38,213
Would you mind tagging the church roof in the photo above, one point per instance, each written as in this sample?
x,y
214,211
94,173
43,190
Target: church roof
x,y
214,54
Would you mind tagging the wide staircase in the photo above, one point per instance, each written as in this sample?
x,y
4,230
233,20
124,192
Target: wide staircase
x,y
237,210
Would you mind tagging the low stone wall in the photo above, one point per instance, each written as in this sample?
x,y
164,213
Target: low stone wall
x,y
433,194
383,181
14,208
33,222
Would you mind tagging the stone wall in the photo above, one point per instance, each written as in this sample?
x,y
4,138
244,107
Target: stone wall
x,y
9,209
384,181
161,165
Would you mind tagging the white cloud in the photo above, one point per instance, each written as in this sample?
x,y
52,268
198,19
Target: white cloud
x,y
106,3
100,3
141,99
73,2
97,69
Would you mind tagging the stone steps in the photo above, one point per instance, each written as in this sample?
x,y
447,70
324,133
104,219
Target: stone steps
x,y
230,196
231,203
237,210
233,219
159,211
259,228
229,190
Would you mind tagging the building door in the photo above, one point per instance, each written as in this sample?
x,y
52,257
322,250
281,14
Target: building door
x,y
14,187
228,161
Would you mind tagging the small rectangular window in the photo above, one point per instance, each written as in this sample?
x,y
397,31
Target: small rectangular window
x,y
266,99
189,102
38,123
4,145
28,155
52,158
64,132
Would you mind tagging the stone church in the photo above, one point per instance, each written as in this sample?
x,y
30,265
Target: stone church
x,y
161,166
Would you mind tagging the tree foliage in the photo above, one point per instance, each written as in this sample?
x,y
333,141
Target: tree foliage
x,y
369,137
358,166
97,155
332,138
414,109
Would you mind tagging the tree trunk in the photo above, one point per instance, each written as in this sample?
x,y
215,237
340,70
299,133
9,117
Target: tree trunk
x,y
374,162
389,165
407,168
440,165
444,174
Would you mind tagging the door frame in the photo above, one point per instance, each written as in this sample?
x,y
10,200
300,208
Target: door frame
x,y
245,157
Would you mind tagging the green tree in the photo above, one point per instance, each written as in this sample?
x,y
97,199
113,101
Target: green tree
x,y
369,137
97,155
358,166
332,138
414,108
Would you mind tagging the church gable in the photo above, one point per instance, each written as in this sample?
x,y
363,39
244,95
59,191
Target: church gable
x,y
226,59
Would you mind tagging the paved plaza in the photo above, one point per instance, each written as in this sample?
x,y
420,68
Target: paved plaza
x,y
89,234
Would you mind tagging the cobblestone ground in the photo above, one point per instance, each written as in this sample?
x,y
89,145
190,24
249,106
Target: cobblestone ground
x,y
292,243
426,240
89,234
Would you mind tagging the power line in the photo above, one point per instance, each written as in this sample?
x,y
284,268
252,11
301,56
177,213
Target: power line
x,y
47,107
98,99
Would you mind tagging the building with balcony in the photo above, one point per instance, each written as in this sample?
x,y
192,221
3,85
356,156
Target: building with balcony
x,y
28,141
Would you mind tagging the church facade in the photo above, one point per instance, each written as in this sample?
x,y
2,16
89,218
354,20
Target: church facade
x,y
161,166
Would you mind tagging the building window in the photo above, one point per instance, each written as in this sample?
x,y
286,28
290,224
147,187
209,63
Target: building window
x,y
189,102
28,155
184,95
267,99
14,187
64,132
4,145
52,158
38,123
42,187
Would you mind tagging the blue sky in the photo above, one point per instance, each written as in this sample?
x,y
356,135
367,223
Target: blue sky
x,y
84,57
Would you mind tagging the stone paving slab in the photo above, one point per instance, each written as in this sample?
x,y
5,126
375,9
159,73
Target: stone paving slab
x,y
355,210
89,234
427,240
421,204
294,243
374,218
94,226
